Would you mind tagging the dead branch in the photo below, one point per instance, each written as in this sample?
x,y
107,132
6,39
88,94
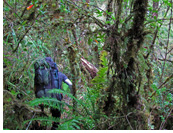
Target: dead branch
x,y
166,47
89,67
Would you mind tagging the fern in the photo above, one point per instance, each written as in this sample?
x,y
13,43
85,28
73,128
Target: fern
x,y
101,79
84,118
50,102
71,124
43,119
72,97
54,103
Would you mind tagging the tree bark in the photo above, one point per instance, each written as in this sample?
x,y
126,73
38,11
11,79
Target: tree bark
x,y
125,75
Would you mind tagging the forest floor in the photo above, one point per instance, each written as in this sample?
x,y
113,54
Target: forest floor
x,y
67,100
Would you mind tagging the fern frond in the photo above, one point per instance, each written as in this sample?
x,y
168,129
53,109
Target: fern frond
x,y
103,59
101,74
71,124
71,96
51,119
50,102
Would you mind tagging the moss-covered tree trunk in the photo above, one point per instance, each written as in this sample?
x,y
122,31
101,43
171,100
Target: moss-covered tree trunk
x,y
72,49
125,79
72,59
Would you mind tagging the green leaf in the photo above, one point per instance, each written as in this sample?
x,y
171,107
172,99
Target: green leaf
x,y
90,41
108,22
6,129
109,13
28,91
9,100
125,65
15,14
169,97
13,92
170,4
152,127
166,103
154,87
113,18
24,49
6,9
65,87
158,92
24,23
163,89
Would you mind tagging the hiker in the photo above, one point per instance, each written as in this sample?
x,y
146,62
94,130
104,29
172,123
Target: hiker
x,y
48,77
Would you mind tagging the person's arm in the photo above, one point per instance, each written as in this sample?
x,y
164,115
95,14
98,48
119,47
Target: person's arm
x,y
69,83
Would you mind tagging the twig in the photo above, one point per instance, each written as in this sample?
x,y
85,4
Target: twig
x,y
97,21
165,60
75,36
163,123
170,77
128,120
166,48
13,10
25,8
109,8
18,89
24,35
155,35
170,50
30,121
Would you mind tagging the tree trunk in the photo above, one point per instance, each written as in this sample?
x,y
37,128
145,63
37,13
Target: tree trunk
x,y
73,65
125,73
72,57
155,16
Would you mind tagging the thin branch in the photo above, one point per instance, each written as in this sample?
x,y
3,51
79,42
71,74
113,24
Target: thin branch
x,y
155,20
128,120
163,123
170,77
97,21
119,118
155,35
129,123
160,7
109,8
25,8
13,10
30,121
165,60
166,47
170,50
75,36
101,10
24,36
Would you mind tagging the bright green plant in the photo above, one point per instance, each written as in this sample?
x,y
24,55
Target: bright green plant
x,y
83,115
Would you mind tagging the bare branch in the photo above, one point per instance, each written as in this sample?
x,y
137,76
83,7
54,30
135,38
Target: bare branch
x,y
24,35
166,47
155,36
13,10
165,60
163,123
170,77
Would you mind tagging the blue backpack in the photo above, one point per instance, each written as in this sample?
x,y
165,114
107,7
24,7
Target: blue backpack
x,y
46,78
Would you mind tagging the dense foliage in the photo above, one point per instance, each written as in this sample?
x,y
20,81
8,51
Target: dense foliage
x,y
128,41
